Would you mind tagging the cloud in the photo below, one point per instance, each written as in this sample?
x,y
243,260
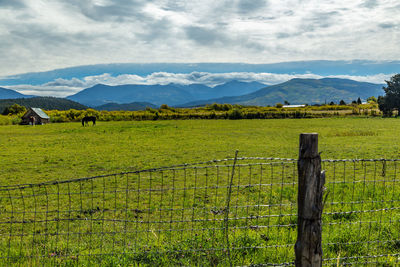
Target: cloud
x,y
40,35
370,3
251,6
387,25
206,36
320,20
45,90
65,87
12,4
114,10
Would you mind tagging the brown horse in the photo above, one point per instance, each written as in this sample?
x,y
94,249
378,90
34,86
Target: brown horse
x,y
86,120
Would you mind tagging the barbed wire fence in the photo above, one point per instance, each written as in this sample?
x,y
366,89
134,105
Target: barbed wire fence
x,y
240,211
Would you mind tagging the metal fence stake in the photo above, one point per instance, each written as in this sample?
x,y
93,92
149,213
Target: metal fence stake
x,y
308,247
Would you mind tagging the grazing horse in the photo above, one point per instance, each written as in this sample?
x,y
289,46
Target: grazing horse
x,y
86,120
32,120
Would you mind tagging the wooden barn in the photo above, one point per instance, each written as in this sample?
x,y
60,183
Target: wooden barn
x,y
35,116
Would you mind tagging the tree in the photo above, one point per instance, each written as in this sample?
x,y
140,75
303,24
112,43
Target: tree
x,y
359,101
287,102
235,114
14,110
383,107
342,103
391,100
372,99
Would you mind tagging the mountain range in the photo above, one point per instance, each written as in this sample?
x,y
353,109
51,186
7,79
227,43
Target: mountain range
x,y
170,94
302,91
295,91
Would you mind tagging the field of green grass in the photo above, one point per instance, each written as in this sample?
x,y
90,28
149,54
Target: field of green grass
x,y
102,220
65,151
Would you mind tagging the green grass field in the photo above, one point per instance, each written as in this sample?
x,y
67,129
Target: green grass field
x,y
60,219
65,151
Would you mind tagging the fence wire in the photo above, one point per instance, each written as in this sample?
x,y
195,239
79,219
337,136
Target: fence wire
x,y
220,212
361,213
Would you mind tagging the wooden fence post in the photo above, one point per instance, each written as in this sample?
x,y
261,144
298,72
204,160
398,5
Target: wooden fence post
x,y
311,182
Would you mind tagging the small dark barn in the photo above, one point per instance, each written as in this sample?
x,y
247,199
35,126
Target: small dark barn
x,y
35,116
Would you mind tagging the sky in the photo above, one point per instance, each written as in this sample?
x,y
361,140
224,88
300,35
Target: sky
x,y
40,35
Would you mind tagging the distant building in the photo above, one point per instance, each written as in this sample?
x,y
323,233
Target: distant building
x,y
293,106
35,116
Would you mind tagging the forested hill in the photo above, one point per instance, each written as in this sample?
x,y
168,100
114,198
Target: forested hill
x,y
46,103
158,94
130,106
302,91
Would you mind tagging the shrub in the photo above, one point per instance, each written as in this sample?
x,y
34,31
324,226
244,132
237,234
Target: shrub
x,y
372,99
165,107
235,114
14,110
220,107
5,120
355,111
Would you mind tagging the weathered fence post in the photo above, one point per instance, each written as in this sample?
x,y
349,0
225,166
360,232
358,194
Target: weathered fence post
x,y
308,248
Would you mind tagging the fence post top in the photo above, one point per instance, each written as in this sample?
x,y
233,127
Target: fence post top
x,y
309,134
308,145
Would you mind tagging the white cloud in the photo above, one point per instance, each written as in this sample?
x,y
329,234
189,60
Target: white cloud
x,y
41,35
45,90
65,87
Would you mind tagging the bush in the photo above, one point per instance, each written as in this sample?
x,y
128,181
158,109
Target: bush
x,y
14,110
235,114
355,111
372,99
219,107
6,120
92,112
165,107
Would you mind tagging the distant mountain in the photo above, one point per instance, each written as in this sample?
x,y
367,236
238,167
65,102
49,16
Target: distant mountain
x,y
130,106
236,88
303,91
8,93
47,103
170,94
101,94
319,67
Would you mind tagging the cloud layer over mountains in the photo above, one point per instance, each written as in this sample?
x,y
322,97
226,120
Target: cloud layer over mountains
x,y
64,87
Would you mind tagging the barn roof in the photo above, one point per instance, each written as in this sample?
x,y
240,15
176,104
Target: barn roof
x,y
293,106
40,113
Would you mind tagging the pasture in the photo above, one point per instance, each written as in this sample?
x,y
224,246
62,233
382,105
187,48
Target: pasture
x,y
63,224
68,150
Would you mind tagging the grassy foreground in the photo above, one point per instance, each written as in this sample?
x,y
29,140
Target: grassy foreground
x,y
65,151
118,220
